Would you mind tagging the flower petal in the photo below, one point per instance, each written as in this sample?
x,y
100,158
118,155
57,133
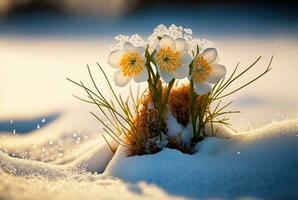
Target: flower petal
x,y
202,88
210,55
121,80
186,59
114,58
141,50
128,47
166,41
143,76
217,73
166,77
181,72
180,45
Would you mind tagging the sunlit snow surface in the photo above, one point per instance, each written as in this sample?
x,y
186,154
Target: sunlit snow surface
x,y
257,164
42,164
84,186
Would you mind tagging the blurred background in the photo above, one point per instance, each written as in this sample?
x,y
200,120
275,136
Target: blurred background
x,y
42,42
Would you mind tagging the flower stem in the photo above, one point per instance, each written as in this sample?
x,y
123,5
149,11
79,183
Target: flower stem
x,y
192,109
164,104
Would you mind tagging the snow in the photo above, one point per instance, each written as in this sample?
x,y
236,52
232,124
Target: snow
x,y
57,144
261,163
177,131
75,187
184,134
257,164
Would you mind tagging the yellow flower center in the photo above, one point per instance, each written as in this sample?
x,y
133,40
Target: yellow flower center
x,y
201,69
131,64
168,59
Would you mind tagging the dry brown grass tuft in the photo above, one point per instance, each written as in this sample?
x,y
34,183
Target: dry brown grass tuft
x,y
146,122
175,143
147,137
179,103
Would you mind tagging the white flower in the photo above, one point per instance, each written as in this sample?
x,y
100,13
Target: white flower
x,y
206,71
178,32
130,62
171,60
134,39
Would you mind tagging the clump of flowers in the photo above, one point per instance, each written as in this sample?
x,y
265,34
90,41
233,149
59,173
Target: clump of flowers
x,y
167,113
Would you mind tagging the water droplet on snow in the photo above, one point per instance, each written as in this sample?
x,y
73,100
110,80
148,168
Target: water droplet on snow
x,y
74,135
238,152
43,120
38,126
11,121
14,131
51,142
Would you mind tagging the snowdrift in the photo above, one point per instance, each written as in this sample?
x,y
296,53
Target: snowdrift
x,y
260,164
